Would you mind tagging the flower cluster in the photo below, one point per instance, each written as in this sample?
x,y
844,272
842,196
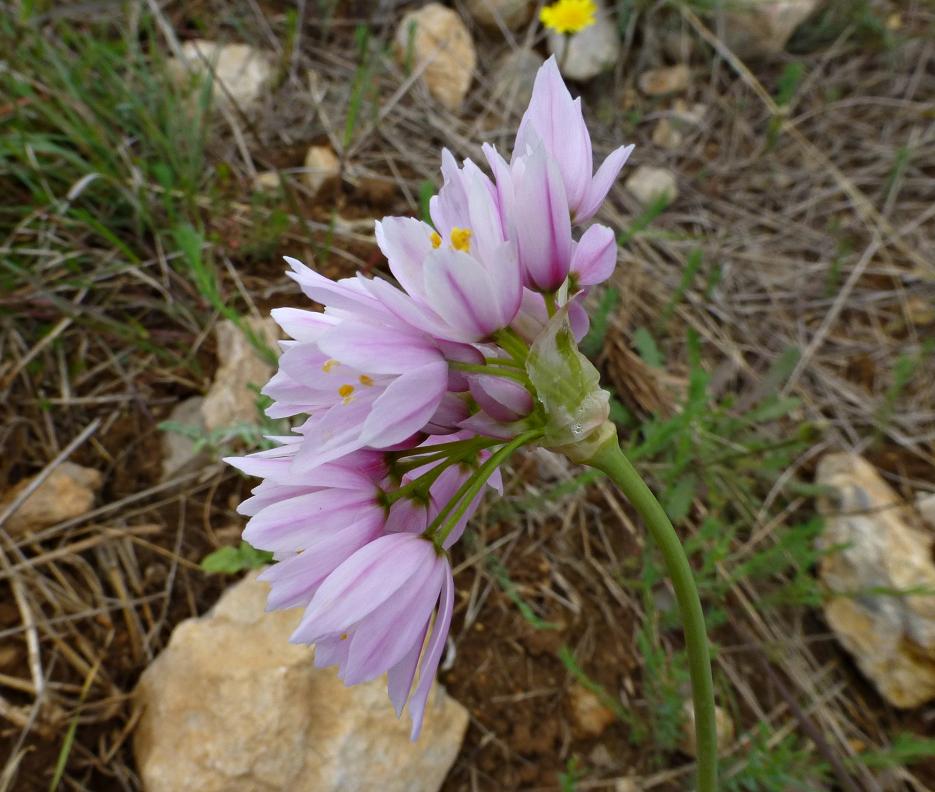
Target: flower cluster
x,y
416,394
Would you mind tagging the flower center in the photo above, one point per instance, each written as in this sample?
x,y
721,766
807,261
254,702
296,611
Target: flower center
x,y
461,239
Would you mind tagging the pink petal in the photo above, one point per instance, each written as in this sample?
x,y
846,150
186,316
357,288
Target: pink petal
x,y
433,654
302,521
502,399
406,516
595,256
461,290
301,325
378,350
362,583
405,406
504,185
387,635
556,120
344,294
399,677
601,183
295,580
543,225
405,242
335,432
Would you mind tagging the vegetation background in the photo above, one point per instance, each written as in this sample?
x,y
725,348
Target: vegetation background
x,y
782,306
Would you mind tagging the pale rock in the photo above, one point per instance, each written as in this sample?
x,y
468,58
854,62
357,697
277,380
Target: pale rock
x,y
875,546
591,51
665,81
688,114
514,76
492,13
647,183
321,166
600,756
626,785
590,715
242,74
179,448
921,311
267,182
231,706
678,45
230,400
665,135
723,722
67,492
435,37
761,28
925,505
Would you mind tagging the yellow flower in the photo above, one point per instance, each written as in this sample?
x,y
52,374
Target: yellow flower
x,y
568,16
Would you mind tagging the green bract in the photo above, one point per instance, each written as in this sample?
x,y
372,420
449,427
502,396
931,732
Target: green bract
x,y
568,388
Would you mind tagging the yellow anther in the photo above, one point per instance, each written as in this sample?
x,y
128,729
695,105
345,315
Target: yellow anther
x,y
328,365
436,239
345,392
365,380
461,239
344,636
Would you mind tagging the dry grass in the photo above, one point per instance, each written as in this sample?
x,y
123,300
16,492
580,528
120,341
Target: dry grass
x,y
815,226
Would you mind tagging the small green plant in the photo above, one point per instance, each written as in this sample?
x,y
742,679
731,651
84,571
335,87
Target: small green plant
x,y
568,780
362,86
777,766
231,560
601,317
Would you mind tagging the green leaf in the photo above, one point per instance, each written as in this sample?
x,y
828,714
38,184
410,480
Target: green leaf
x,y
230,560
678,500
426,191
593,342
646,346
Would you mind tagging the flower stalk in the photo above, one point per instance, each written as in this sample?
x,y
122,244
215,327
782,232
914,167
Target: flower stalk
x,y
612,461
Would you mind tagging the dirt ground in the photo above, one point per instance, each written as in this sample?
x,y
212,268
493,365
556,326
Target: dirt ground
x,y
807,202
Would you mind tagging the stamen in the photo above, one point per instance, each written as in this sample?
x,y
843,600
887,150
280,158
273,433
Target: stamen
x,y
345,392
365,380
328,365
461,239
436,239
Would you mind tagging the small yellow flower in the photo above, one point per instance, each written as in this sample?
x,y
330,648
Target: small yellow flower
x,y
568,16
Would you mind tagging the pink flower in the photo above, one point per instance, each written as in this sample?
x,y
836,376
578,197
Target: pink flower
x,y
366,378
371,615
555,120
463,274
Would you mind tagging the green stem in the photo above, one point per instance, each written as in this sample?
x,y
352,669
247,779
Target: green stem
x,y
611,460
493,371
550,304
455,445
442,525
512,344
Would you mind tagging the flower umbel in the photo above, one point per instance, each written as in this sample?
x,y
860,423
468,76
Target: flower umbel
x,y
414,395
408,396
568,16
